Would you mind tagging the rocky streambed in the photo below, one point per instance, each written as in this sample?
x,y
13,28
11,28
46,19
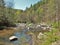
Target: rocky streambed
x,y
20,31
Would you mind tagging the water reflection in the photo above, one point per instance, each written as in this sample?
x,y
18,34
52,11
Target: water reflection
x,y
23,39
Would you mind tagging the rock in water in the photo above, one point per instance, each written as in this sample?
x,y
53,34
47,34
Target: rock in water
x,y
13,38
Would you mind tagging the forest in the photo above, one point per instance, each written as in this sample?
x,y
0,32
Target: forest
x,y
44,11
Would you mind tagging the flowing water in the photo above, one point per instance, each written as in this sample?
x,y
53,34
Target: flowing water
x,y
23,39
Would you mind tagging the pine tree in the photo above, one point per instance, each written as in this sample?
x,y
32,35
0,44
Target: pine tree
x,y
2,3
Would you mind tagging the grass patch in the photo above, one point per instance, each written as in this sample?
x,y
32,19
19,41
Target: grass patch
x,y
51,37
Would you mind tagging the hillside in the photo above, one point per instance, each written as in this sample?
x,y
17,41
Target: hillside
x,y
43,11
